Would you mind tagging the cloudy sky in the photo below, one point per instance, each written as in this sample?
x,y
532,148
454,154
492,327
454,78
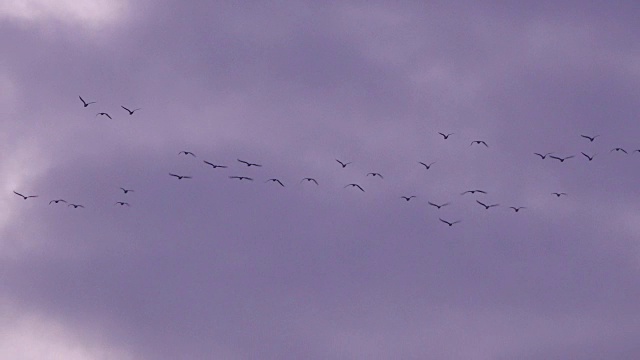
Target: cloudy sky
x,y
217,268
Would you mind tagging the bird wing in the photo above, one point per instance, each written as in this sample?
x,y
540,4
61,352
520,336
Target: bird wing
x,y
555,157
244,162
125,108
107,115
481,203
17,193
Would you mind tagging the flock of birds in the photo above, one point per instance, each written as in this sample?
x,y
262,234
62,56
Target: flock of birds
x,y
343,165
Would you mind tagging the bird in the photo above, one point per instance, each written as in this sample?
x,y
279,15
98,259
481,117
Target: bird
x,y
588,157
559,194
104,114
187,153
479,142
561,159
126,190
248,163
638,150
122,203
214,165
516,209
57,201
436,205
276,180
344,165
130,111
75,206
355,185
474,191
590,138
543,156
407,198
374,174
241,178
450,223
619,149
486,206
309,179
427,166
445,136
86,103
180,177
23,196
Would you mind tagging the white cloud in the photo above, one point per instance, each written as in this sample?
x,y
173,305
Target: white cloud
x,y
89,13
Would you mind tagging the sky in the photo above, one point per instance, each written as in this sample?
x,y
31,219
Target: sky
x,y
218,268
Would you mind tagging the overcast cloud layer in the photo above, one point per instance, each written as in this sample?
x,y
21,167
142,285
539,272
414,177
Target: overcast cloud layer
x,y
216,268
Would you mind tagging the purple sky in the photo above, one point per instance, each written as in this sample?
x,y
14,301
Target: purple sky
x,y
215,268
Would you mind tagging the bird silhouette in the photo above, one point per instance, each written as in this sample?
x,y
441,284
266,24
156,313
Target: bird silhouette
x,y
561,159
407,198
355,185
487,207
344,165
130,111
187,153
449,223
436,205
276,180
86,103
309,179
248,163
75,206
374,174
57,201
126,190
588,157
559,194
543,156
241,178
445,136
214,165
590,138
104,114
619,149
473,192
23,196
479,142
516,209
122,203
427,166
180,177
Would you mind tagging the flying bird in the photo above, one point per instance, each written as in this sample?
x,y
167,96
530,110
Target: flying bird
x,y
214,165
561,159
122,203
57,201
516,209
590,138
407,198
487,207
479,142
24,197
126,190
75,206
276,180
309,179
449,223
344,165
187,153
543,156
559,194
427,166
248,163
180,177
86,103
436,205
588,157
355,185
445,136
619,149
474,191
104,114
130,111
374,174
241,178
